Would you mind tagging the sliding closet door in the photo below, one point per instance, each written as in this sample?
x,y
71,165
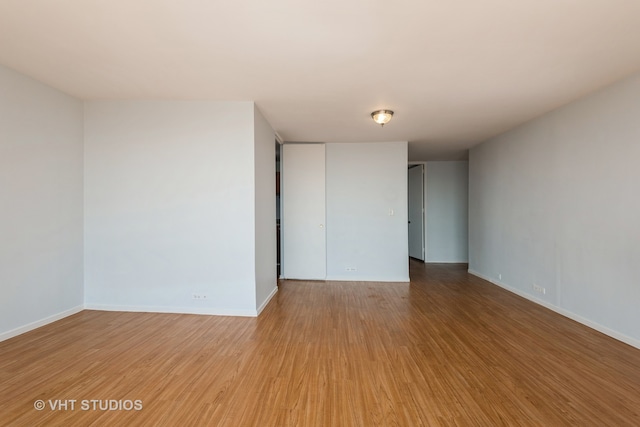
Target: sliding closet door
x,y
303,211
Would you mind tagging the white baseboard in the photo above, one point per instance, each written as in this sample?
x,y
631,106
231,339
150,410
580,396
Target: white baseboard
x,y
39,323
175,310
267,300
566,313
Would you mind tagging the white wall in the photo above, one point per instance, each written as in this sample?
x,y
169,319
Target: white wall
x,y
170,206
40,204
364,182
447,195
555,203
265,210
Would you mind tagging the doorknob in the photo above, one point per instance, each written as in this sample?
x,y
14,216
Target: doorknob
x,y
321,225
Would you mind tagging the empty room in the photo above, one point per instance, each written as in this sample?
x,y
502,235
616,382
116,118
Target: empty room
x,y
337,213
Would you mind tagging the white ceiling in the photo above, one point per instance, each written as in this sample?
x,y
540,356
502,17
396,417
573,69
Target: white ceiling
x,y
455,71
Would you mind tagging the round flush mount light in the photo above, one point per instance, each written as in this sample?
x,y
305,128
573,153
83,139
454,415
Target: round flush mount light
x,y
382,117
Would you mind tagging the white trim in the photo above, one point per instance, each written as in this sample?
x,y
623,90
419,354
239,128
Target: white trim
x,y
39,323
175,310
566,313
266,301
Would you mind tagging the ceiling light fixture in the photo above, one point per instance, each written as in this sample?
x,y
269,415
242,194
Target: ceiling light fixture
x,y
382,117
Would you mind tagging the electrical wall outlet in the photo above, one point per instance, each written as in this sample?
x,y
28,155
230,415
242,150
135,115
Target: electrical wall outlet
x,y
199,297
499,276
539,289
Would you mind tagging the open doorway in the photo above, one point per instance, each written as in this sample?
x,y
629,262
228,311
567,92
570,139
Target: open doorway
x,y
416,211
278,212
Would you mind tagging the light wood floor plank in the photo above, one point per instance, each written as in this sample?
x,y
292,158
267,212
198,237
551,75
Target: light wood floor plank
x,y
448,349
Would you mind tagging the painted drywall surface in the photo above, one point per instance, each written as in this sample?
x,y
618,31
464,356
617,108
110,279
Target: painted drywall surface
x,y
554,203
365,183
41,250
447,190
265,209
169,206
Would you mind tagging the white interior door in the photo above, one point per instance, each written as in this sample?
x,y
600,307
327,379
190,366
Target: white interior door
x,y
304,211
416,212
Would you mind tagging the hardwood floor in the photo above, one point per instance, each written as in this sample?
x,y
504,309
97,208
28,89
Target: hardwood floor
x,y
448,349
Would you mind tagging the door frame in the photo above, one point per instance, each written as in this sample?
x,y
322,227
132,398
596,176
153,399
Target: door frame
x,y
424,205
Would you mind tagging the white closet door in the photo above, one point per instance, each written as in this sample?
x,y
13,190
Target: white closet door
x,y
304,211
